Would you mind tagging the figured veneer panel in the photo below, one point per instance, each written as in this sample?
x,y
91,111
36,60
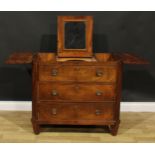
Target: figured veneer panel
x,y
76,92
27,57
78,73
130,58
20,58
75,86
77,112
55,112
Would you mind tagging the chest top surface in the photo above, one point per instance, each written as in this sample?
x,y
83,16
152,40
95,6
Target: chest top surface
x,y
99,58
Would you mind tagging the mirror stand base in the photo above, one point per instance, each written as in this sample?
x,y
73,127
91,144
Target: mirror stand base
x,y
92,59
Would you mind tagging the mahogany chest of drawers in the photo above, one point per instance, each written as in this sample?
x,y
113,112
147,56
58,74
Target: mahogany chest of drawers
x,y
76,86
76,92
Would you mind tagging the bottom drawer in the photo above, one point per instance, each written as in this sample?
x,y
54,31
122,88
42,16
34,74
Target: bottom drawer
x,y
55,112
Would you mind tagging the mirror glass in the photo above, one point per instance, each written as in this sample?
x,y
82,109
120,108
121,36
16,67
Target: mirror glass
x,y
75,35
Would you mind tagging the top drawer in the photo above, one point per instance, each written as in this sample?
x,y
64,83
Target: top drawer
x,y
77,73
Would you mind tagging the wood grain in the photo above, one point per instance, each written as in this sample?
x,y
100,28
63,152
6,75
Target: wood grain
x,y
73,72
110,65
27,57
75,83
75,113
20,58
130,58
76,92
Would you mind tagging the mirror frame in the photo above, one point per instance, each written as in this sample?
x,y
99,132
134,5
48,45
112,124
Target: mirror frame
x,y
71,53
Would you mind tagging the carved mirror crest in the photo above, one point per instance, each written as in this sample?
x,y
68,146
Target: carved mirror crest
x,y
75,36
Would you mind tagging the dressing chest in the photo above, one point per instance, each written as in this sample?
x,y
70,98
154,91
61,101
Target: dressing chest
x,y
76,86
76,92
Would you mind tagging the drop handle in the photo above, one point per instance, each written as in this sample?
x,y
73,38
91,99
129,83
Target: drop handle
x,y
54,93
54,72
99,93
54,111
98,112
99,73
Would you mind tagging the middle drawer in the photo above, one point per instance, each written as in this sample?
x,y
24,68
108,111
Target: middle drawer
x,y
76,92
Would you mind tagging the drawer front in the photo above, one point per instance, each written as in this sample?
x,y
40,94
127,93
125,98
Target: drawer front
x,y
69,111
48,112
78,73
76,92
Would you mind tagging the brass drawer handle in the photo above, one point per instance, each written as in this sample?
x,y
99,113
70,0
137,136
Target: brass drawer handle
x,y
99,73
54,72
54,111
98,112
54,93
99,93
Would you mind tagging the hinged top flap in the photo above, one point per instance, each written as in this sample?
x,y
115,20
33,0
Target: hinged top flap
x,y
130,58
27,57
20,58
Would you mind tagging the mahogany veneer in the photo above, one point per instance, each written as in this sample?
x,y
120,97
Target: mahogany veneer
x,y
76,92
20,58
75,86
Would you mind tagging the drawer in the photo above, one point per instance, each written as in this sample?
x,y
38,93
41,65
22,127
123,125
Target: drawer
x,y
78,73
75,111
47,112
76,92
